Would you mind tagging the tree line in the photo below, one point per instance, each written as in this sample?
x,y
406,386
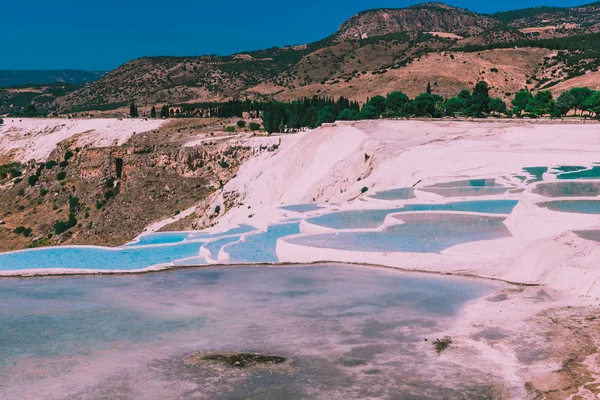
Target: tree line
x,y
310,113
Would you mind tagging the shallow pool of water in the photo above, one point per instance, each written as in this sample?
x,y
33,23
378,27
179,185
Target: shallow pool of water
x,y
100,258
467,191
420,233
176,237
593,235
591,173
215,246
374,218
261,247
351,333
395,194
573,206
568,189
160,238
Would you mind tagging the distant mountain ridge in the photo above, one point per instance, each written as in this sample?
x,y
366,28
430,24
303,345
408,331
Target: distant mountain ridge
x,y
373,52
27,77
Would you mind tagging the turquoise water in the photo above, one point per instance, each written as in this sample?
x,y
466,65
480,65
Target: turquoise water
x,y
345,328
479,183
99,258
374,218
215,247
160,238
537,173
261,247
467,191
421,233
395,194
568,189
573,206
301,208
592,173
570,168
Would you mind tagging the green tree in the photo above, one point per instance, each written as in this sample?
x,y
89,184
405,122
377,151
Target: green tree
x,y
379,103
592,104
497,105
31,109
464,95
253,126
164,111
133,111
241,124
478,103
454,106
369,111
566,102
541,104
346,115
520,101
1,121
153,112
581,94
395,101
428,90
428,105
326,114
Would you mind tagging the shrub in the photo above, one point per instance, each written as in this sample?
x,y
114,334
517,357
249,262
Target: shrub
x,y
224,164
364,189
253,126
43,192
241,123
217,209
108,194
73,203
61,175
21,192
63,164
230,129
32,180
442,344
51,164
68,155
99,204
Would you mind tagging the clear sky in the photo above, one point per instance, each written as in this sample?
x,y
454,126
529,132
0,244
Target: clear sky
x,y
42,34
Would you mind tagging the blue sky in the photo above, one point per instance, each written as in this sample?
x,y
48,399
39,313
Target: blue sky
x,y
41,34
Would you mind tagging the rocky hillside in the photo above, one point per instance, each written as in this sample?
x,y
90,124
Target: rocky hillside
x,y
428,17
369,44
85,190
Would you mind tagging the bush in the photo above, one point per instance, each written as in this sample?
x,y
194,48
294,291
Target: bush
x,y
63,164
108,194
21,192
224,164
43,192
364,189
241,123
61,175
73,203
51,164
253,126
230,129
32,180
217,209
68,155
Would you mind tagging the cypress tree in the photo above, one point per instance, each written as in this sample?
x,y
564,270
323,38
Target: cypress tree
x,y
153,112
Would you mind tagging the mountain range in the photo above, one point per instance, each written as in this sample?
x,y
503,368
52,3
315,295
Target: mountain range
x,y
373,52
